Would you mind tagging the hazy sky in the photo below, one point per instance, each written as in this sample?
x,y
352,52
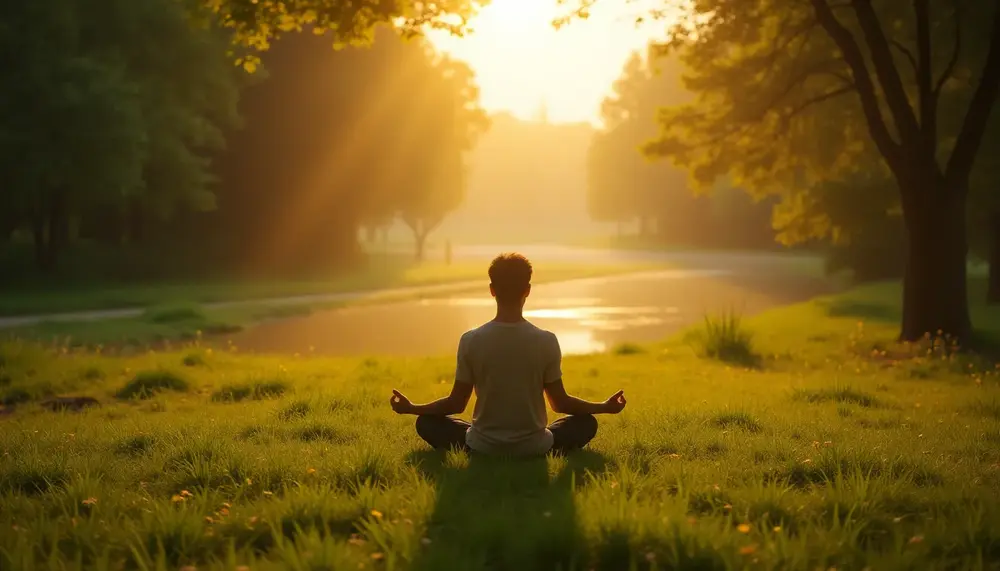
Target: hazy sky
x,y
521,61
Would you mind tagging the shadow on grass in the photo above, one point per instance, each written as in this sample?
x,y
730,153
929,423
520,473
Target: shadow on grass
x,y
494,513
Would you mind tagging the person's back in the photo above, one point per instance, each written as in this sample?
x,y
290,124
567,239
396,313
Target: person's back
x,y
512,366
509,364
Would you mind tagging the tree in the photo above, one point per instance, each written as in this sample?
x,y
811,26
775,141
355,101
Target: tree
x,y
102,112
367,134
443,124
624,186
769,74
71,126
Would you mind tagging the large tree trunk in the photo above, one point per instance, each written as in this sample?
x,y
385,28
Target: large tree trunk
x,y
935,296
993,229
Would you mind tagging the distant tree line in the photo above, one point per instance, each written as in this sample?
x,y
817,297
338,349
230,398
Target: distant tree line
x,y
624,187
133,143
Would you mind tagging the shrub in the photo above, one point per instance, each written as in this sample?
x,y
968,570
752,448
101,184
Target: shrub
x,y
146,384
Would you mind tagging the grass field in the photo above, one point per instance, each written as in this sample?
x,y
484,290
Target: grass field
x,y
178,312
810,441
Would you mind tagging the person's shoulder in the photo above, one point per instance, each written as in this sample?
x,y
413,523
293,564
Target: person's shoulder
x,y
471,334
544,334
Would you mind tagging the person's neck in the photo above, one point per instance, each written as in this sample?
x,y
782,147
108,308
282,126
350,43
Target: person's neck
x,y
507,314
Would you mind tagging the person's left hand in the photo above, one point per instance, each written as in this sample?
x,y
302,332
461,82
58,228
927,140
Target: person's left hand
x,y
615,404
399,403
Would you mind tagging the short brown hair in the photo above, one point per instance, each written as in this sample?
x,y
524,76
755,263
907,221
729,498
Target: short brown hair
x,y
510,276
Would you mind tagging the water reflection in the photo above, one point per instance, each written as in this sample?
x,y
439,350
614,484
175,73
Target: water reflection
x,y
587,315
580,342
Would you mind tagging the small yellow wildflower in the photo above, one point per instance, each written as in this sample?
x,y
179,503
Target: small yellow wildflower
x,y
743,528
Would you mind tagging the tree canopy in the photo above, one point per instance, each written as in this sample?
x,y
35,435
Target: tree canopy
x,y
106,112
255,23
790,94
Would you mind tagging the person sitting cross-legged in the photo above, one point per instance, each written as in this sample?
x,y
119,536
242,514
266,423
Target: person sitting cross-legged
x,y
510,364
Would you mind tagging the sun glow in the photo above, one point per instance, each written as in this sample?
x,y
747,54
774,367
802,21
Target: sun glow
x,y
522,63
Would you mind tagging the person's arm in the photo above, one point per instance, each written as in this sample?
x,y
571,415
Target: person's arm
x,y
454,403
564,403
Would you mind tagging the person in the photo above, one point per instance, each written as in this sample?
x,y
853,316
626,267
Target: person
x,y
510,364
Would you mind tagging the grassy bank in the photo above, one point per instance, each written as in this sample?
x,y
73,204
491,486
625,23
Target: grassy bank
x,y
819,444
391,272
184,311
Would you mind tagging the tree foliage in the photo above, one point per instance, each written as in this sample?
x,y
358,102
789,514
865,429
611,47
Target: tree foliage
x,y
793,93
107,103
255,23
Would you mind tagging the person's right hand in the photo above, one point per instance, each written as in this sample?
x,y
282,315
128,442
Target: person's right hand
x,y
616,403
400,404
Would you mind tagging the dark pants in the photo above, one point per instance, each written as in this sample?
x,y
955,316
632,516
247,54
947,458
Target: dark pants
x,y
568,433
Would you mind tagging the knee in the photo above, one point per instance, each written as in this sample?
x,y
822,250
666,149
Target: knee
x,y
425,425
588,425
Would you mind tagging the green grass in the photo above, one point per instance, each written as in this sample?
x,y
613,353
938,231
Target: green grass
x,y
165,320
841,449
724,337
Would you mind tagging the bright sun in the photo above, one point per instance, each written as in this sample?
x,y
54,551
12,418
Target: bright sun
x,y
522,62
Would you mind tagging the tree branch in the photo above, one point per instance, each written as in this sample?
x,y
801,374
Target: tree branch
x,y
886,72
927,97
862,81
796,79
906,52
963,156
832,94
956,51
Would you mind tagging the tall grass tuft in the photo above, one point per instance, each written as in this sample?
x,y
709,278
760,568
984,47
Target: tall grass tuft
x,y
724,337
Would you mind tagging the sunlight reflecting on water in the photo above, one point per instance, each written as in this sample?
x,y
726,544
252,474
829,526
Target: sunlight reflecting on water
x,y
579,342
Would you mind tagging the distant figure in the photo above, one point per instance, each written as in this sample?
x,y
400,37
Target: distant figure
x,y
447,252
509,363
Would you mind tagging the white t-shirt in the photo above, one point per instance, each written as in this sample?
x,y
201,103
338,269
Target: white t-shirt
x,y
508,364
